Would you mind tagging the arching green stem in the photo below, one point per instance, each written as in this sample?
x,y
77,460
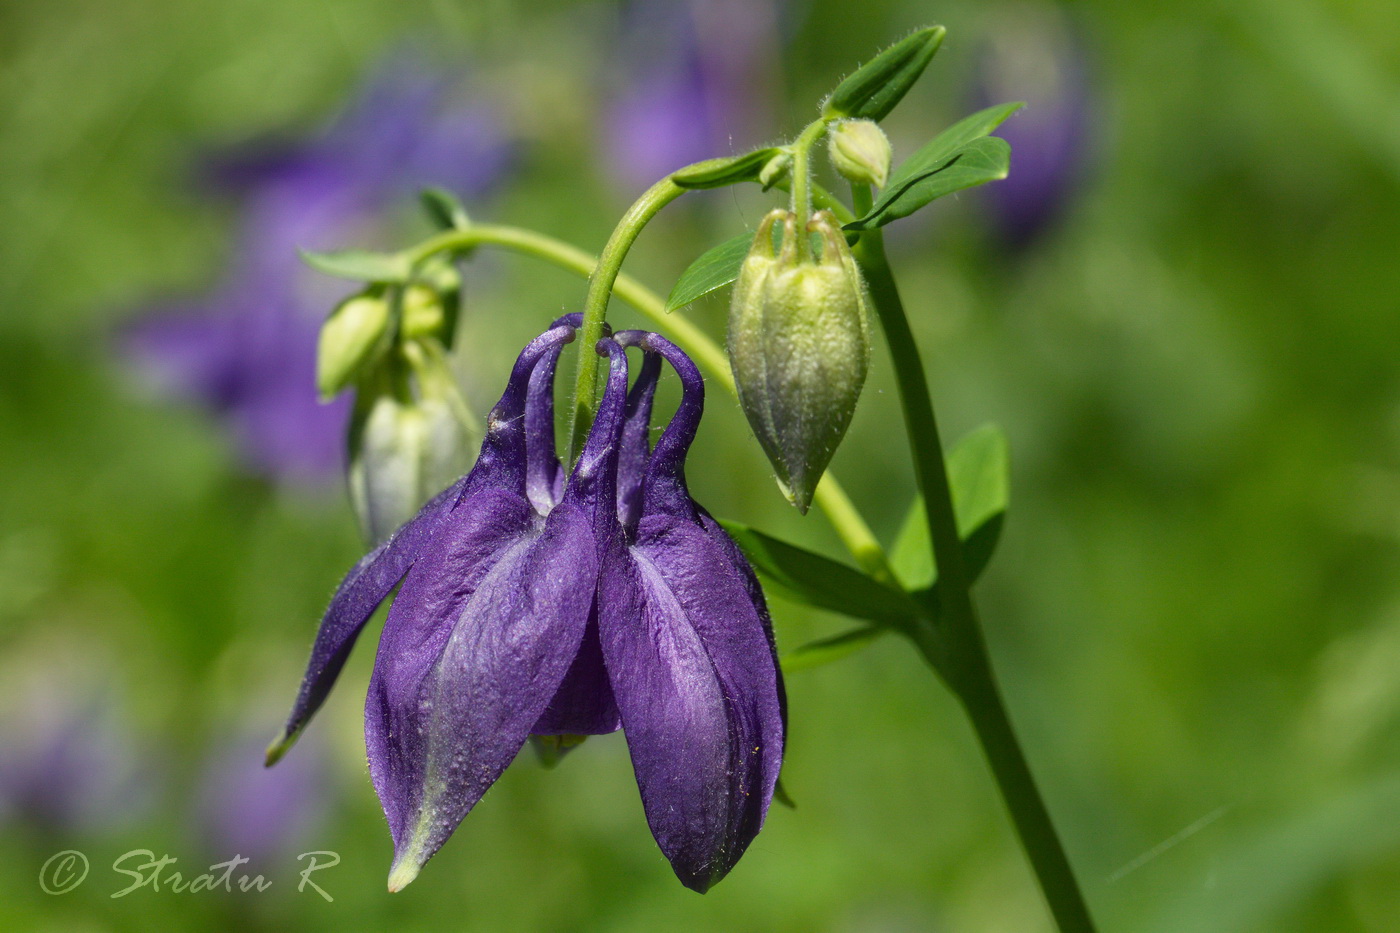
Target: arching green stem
x,y
595,305
801,187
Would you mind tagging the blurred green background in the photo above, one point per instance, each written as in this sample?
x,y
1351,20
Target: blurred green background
x,y
1195,609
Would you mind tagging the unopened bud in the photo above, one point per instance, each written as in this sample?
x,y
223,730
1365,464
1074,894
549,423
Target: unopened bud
x,y
353,337
860,151
799,345
405,447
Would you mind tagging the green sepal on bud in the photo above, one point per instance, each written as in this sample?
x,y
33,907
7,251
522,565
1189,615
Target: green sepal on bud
x,y
861,152
353,338
799,346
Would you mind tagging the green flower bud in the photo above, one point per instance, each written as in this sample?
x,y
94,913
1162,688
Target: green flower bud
x,y
860,151
410,437
353,338
799,345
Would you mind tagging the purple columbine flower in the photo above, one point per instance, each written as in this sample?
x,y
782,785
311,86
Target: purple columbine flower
x,y
1036,56
532,604
247,351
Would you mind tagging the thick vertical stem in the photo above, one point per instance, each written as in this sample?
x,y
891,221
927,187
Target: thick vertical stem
x,y
956,648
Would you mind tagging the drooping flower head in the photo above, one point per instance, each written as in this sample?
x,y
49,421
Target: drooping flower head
x,y
247,351
542,601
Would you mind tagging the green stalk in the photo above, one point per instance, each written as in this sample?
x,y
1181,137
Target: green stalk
x,y
956,648
595,305
801,185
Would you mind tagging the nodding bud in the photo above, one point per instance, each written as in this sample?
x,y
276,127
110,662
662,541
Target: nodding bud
x,y
408,440
353,338
799,345
860,151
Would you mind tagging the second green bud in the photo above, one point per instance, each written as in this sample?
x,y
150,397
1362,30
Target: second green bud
x,y
799,345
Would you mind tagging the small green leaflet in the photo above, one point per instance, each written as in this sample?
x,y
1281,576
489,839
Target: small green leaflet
x,y
979,473
980,161
872,90
820,581
444,210
716,268
946,144
826,650
361,265
716,173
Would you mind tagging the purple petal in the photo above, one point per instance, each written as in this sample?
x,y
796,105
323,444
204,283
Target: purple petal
x,y
698,84
500,466
695,681
359,594
241,808
688,645
475,647
583,704
483,634
544,479
635,447
1040,57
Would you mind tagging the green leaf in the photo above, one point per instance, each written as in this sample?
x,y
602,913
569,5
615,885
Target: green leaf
x,y
444,210
980,161
717,267
716,173
946,144
363,266
979,474
825,650
820,581
873,89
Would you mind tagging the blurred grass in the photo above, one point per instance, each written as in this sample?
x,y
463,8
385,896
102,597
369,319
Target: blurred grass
x,y
1197,372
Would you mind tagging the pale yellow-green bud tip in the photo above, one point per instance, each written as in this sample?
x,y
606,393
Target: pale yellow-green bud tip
x,y
860,151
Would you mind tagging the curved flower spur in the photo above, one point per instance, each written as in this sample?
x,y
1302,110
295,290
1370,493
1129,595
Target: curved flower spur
x,y
534,606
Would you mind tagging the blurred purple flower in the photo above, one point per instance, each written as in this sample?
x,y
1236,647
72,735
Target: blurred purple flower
x,y
242,808
67,765
700,83
1036,55
247,351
